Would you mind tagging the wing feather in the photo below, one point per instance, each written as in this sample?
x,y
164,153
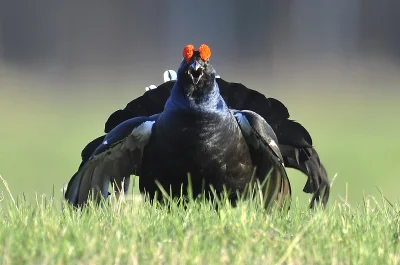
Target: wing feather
x,y
266,156
116,158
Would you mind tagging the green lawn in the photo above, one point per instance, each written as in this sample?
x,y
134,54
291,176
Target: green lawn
x,y
357,138
136,232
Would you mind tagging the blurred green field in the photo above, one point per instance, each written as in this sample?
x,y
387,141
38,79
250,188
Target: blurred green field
x,y
42,136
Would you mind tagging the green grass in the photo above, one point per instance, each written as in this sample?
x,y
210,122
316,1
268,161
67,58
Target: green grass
x,y
42,136
137,232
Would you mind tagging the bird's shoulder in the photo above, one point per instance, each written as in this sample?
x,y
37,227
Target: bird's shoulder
x,y
252,120
138,129
257,131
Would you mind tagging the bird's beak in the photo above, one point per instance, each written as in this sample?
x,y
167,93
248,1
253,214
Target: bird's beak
x,y
195,65
195,72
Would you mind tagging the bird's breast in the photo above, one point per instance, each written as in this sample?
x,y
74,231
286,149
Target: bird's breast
x,y
208,135
210,148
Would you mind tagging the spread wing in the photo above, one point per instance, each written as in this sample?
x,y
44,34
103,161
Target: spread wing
x,y
119,156
265,154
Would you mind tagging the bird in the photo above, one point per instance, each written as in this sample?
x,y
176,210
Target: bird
x,y
196,133
295,142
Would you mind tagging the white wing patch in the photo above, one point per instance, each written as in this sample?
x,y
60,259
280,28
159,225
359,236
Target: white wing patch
x,y
273,144
142,133
150,87
275,147
138,139
105,142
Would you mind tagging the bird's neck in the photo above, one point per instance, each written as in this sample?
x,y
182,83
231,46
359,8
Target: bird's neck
x,y
208,101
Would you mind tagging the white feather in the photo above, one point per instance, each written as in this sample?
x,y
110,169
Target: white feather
x,y
142,133
150,87
169,75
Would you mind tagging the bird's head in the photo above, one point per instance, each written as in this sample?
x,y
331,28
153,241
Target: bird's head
x,y
195,72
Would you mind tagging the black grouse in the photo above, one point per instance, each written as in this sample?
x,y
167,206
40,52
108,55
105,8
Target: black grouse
x,y
195,133
295,142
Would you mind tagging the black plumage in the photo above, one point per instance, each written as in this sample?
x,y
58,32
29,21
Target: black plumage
x,y
194,133
295,142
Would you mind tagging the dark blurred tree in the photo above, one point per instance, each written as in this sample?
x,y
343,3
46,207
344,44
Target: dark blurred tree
x,y
112,33
379,27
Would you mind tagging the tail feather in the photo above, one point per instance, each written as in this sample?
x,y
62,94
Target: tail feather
x,y
317,181
150,103
323,192
292,133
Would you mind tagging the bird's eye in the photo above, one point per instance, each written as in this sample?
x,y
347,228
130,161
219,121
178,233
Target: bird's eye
x,y
205,52
188,52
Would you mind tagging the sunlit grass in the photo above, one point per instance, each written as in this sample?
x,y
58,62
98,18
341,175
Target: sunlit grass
x,y
135,231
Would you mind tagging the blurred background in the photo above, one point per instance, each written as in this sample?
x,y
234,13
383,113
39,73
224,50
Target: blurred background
x,y
65,66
